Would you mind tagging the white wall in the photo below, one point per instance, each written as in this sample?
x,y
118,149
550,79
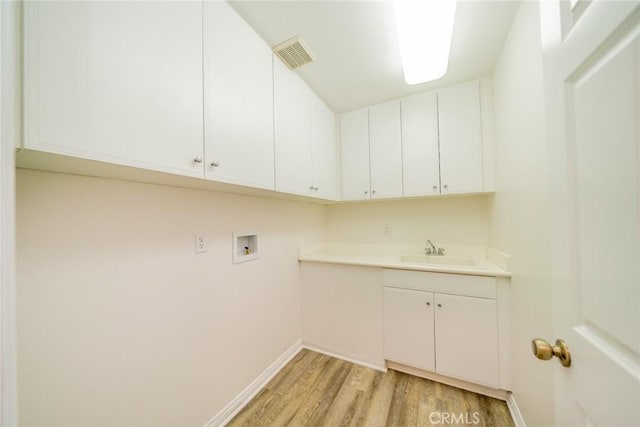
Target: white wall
x,y
121,323
444,220
520,212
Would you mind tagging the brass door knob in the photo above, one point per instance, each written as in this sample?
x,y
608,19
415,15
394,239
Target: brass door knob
x,y
545,351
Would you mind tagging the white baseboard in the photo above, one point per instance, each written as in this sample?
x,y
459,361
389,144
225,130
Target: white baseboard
x,y
241,400
318,349
515,411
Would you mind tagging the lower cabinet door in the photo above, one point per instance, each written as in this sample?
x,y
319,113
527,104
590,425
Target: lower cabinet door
x,y
466,332
408,327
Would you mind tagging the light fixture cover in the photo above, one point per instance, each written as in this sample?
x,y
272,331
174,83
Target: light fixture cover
x,y
425,30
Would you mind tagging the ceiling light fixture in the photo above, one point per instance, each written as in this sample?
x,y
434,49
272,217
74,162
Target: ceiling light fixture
x,y
425,29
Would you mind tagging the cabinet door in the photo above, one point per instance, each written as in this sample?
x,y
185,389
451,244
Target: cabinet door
x,y
324,150
354,147
385,150
238,97
108,81
420,157
408,327
460,139
466,332
293,132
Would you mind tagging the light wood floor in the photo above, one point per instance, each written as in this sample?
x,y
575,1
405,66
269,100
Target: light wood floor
x,y
317,390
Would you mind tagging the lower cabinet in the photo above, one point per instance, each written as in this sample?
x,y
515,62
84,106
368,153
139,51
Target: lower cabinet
x,y
450,325
452,335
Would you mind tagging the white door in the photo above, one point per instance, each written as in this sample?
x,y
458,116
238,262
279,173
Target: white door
x,y
238,100
460,130
420,157
354,148
592,88
293,132
385,150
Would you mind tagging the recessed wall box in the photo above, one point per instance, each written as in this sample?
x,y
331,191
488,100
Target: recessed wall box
x,y
245,247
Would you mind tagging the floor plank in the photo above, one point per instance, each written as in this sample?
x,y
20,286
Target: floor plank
x,y
317,390
378,400
324,394
293,397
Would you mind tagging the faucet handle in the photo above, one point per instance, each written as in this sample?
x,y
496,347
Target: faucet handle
x,y
440,251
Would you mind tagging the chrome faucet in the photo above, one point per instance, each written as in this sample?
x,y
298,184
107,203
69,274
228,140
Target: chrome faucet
x,y
432,250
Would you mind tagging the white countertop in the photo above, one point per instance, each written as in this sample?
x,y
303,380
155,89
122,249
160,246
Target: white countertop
x,y
388,256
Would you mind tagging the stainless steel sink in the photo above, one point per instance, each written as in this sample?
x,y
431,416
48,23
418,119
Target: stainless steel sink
x,y
439,260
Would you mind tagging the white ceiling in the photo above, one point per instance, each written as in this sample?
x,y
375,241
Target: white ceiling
x,y
355,44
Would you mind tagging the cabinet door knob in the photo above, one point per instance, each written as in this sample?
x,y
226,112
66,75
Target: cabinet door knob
x,y
439,305
373,192
215,163
435,187
446,186
316,188
428,303
311,188
366,192
197,159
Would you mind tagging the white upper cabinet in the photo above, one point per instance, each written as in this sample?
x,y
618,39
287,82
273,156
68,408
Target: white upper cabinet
x,y
238,100
108,81
460,130
324,150
385,150
305,138
119,82
420,156
426,144
354,146
371,152
292,131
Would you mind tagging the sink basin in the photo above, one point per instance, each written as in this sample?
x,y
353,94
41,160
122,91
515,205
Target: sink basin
x,y
439,260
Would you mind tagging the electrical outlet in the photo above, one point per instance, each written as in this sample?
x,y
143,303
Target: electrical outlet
x,y
201,243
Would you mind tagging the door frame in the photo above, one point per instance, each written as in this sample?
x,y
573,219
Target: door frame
x,y
10,139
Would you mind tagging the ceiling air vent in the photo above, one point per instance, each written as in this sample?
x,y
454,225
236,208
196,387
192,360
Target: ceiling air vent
x,y
294,53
